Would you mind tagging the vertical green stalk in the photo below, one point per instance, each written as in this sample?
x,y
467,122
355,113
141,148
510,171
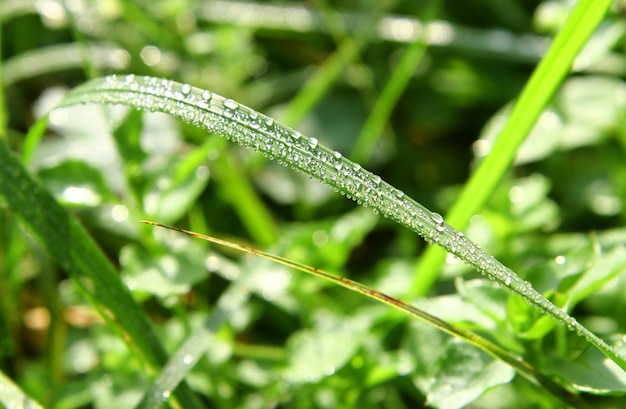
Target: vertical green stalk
x,y
3,110
376,122
540,89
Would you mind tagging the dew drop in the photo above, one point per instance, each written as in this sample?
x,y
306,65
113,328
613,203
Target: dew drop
x,y
206,95
313,143
186,89
297,135
337,155
165,396
356,167
230,104
571,324
437,218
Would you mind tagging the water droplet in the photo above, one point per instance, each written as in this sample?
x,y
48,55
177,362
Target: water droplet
x,y
571,324
206,95
437,218
165,396
313,143
356,167
186,89
337,155
230,104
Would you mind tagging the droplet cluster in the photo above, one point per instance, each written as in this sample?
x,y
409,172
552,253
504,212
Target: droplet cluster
x,y
251,129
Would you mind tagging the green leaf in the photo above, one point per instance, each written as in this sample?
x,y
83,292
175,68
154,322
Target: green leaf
x,y
319,352
591,372
76,183
172,190
162,275
463,374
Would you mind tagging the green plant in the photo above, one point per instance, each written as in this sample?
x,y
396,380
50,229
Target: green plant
x,y
369,349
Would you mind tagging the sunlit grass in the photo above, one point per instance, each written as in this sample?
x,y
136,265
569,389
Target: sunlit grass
x,y
414,94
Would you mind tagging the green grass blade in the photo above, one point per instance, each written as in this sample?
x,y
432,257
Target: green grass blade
x,y
80,257
60,58
494,350
391,93
196,345
251,129
319,84
253,212
542,86
3,112
11,396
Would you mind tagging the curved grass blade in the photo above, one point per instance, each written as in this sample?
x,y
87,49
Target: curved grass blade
x,y
81,258
251,129
492,349
540,89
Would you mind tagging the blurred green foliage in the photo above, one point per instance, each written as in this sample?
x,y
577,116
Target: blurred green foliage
x,y
557,218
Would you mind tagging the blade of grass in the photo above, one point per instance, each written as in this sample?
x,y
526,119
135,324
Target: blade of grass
x,y
540,89
319,84
251,129
60,58
522,367
196,345
253,212
3,111
377,120
81,258
348,50
11,396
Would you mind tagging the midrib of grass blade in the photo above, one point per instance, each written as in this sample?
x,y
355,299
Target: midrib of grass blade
x,y
494,350
251,129
80,257
540,89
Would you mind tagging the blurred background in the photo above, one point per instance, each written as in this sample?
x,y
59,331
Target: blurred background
x,y
415,91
